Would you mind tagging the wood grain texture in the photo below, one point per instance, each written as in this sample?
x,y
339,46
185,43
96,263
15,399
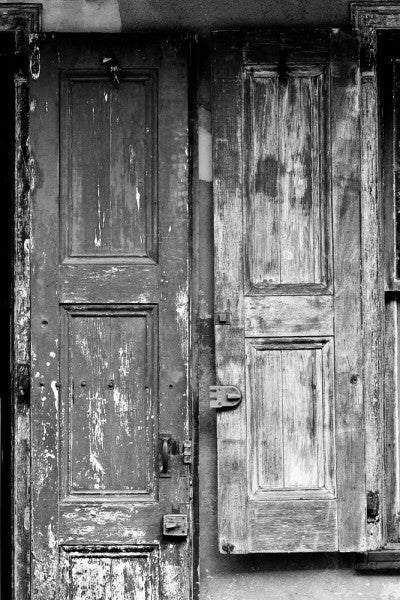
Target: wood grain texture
x,y
346,186
21,344
372,298
110,573
290,413
287,208
109,188
228,269
289,527
110,340
110,413
302,332
288,315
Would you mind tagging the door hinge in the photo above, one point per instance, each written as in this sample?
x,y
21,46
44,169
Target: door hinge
x,y
24,383
187,452
224,396
372,507
175,525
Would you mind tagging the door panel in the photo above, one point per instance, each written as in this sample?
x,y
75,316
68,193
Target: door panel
x,y
109,317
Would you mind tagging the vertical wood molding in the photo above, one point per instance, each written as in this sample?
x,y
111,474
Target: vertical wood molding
x,y
24,20
368,18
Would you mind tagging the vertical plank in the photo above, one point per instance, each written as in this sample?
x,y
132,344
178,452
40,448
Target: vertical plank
x,y
262,201
299,419
90,426
44,129
132,451
264,389
295,182
228,269
372,297
346,185
24,182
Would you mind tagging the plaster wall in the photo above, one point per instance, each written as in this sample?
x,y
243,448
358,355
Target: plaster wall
x,y
256,577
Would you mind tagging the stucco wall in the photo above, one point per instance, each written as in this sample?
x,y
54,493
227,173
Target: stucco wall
x,y
287,577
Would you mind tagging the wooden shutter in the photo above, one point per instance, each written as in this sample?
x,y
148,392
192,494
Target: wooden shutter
x,y
291,473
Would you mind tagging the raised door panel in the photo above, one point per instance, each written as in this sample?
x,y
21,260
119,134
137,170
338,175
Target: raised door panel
x,y
288,224
110,573
291,418
109,166
109,410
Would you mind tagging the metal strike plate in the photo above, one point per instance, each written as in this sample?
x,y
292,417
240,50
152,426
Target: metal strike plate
x,y
224,396
175,525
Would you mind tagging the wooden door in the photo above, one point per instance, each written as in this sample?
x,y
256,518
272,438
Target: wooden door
x,y
291,459
109,140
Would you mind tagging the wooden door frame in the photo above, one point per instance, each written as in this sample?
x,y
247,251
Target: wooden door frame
x,y
24,20
369,18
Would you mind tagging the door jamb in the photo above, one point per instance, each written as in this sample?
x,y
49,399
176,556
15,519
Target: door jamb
x,y
367,18
24,20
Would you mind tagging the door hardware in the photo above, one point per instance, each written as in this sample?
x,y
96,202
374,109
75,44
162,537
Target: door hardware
x,y
223,318
165,439
224,396
187,452
175,525
113,69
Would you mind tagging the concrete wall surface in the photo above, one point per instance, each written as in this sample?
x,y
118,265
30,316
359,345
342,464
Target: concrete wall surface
x,y
254,577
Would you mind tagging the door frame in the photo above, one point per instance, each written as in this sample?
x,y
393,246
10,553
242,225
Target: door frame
x,y
25,21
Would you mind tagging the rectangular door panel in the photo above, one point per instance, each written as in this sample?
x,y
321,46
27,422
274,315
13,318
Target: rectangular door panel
x,y
108,400
109,187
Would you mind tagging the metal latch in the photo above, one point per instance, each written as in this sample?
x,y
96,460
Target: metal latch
x,y
224,396
175,525
187,452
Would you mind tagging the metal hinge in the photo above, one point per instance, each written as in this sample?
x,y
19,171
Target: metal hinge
x,y
175,525
372,507
187,452
224,396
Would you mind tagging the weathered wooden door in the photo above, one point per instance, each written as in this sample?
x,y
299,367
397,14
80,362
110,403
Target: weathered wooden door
x,y
291,456
109,140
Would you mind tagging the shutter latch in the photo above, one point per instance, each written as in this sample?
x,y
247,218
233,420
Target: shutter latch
x,y
224,396
175,525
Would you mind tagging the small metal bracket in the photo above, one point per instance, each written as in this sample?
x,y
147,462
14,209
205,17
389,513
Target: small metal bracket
x,y
224,396
23,383
372,507
223,318
187,452
175,525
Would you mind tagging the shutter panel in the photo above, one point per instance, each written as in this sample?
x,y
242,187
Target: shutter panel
x,y
287,272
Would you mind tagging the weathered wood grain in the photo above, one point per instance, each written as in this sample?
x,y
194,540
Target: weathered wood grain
x,y
372,295
228,269
288,315
302,339
287,208
346,189
110,310
289,527
111,187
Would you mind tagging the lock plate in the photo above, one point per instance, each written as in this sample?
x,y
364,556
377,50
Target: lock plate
x,y
224,396
175,525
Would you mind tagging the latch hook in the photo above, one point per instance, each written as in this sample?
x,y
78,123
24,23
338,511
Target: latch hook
x,y
224,396
114,69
